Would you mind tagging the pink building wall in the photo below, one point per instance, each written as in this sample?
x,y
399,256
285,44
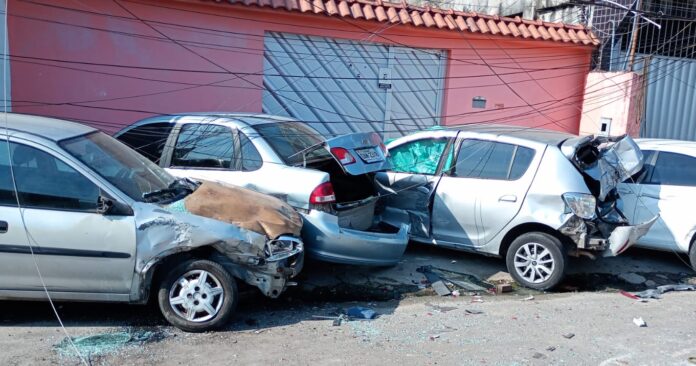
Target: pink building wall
x,y
613,95
65,56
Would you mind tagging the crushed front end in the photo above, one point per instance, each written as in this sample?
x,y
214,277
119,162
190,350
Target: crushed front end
x,y
254,236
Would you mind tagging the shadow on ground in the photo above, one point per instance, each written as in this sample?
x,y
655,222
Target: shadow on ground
x,y
327,288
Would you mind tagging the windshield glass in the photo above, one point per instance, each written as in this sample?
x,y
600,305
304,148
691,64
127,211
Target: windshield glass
x,y
129,171
288,139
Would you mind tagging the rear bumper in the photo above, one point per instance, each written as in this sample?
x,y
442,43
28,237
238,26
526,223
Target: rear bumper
x,y
610,239
325,240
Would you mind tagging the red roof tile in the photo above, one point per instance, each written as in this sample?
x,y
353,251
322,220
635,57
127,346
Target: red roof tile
x,y
401,12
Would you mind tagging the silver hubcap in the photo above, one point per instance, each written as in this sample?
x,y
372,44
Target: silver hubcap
x,y
196,296
534,263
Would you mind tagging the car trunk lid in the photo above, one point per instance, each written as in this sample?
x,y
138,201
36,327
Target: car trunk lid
x,y
356,153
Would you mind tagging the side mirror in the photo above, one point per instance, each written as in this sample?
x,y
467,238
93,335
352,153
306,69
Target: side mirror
x,y
109,207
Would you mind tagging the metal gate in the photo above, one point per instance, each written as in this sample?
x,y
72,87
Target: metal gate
x,y
670,107
343,86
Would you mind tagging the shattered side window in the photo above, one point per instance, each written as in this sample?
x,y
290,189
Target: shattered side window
x,y
417,157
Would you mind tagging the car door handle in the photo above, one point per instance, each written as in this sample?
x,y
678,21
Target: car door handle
x,y
508,198
3,227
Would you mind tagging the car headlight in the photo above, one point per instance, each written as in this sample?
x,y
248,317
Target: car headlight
x,y
282,247
581,204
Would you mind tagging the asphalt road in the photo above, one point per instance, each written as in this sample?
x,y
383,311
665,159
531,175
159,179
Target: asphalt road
x,y
414,327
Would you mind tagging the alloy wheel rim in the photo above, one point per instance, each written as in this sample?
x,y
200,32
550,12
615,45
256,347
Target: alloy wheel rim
x,y
534,263
196,296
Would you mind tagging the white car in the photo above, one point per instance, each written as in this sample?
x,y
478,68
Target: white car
x,y
666,186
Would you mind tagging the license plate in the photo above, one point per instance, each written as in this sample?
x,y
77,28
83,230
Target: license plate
x,y
369,155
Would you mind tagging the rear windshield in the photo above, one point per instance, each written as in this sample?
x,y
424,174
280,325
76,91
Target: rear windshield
x,y
288,139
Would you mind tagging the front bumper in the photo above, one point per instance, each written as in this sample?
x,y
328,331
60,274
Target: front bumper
x,y
325,240
270,275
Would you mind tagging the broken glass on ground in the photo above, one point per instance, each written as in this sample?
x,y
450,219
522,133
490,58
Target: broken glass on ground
x,y
444,281
107,343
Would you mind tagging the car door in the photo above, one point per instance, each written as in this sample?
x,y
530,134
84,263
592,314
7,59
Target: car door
x,y
76,248
407,189
629,190
13,239
669,191
482,192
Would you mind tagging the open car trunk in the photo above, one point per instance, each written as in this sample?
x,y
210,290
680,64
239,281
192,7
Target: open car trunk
x,y
604,162
355,159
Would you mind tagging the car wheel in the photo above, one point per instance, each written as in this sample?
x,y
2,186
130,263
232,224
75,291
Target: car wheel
x,y
197,295
536,260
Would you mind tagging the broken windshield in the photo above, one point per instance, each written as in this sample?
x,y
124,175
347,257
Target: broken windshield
x,y
129,171
289,139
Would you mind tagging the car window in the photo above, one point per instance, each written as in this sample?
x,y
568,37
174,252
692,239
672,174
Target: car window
x,y
646,171
418,157
674,169
289,139
148,140
204,146
251,159
45,182
7,196
491,160
129,171
520,163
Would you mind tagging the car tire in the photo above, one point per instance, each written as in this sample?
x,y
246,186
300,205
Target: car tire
x,y
536,260
197,296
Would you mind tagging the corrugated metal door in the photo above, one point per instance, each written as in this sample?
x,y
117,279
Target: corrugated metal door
x,y
345,86
670,110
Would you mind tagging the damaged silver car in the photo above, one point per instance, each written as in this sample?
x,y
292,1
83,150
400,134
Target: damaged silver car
x,y
531,196
92,220
329,181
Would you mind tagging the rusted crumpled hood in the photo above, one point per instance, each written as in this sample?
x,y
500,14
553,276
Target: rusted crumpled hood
x,y
245,208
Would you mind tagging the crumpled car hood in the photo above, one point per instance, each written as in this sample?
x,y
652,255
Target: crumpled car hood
x,y
245,208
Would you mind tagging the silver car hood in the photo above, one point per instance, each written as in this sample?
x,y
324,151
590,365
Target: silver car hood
x,y
609,161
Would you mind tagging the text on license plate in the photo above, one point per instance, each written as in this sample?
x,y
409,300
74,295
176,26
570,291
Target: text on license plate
x,y
369,155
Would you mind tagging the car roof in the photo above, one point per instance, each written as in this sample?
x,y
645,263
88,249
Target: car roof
x,y
688,147
548,137
49,128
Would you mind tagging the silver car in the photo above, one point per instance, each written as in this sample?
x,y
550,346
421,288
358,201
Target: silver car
x,y
666,186
92,220
330,182
531,196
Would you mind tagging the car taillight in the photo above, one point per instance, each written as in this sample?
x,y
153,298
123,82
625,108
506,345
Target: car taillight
x,y
375,139
343,156
324,193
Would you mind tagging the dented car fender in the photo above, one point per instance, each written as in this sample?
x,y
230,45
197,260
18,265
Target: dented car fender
x,y
161,233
